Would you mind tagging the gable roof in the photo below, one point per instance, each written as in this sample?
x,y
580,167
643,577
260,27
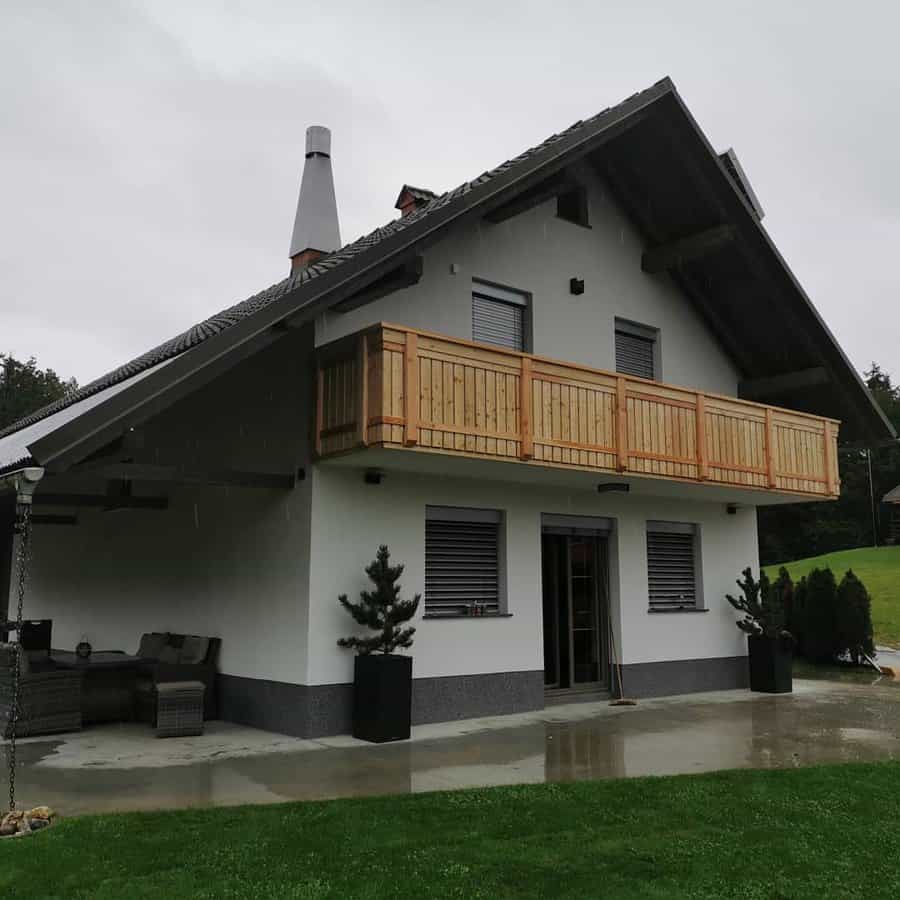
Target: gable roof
x,y
638,123
892,496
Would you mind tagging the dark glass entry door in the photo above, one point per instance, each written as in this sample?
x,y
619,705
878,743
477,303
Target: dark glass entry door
x,y
575,609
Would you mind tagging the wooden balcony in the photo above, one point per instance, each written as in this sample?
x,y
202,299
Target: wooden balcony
x,y
391,386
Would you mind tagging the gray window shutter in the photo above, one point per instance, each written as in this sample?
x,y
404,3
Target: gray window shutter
x,y
634,355
461,566
498,322
671,569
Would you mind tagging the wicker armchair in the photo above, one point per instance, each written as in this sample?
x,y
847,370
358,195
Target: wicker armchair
x,y
49,698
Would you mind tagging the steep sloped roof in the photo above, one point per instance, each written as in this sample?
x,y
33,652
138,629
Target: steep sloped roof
x,y
892,496
643,168
227,318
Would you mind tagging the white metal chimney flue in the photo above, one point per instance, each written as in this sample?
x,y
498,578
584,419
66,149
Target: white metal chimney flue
x,y
316,230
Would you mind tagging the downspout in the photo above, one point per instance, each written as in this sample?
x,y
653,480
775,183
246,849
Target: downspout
x,y
23,483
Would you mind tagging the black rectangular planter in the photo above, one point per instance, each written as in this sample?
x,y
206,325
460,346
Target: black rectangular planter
x,y
382,697
770,666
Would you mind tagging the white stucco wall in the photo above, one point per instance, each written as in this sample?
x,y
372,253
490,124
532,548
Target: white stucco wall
x,y
220,562
227,562
352,519
538,253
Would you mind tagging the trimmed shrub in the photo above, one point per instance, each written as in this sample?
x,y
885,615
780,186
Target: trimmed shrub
x,y
783,587
797,617
854,618
820,640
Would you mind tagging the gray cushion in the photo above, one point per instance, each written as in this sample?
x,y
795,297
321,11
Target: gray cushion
x,y
152,644
194,649
169,654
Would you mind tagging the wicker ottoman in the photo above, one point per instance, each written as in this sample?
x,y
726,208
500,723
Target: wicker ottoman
x,y
179,708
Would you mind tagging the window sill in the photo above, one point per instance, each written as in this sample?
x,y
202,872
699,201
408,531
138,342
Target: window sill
x,y
468,618
685,609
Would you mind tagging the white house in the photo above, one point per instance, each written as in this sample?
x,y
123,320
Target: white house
x,y
558,392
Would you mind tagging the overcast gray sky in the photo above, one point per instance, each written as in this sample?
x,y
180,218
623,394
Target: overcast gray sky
x,y
150,154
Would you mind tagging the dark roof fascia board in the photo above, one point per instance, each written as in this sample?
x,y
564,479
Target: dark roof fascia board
x,y
739,210
104,422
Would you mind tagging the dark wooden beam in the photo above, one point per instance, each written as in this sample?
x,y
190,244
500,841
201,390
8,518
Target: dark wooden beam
x,y
687,249
778,385
139,471
99,501
53,519
404,276
552,187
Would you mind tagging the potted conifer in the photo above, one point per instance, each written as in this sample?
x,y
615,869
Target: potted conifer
x,y
382,679
770,644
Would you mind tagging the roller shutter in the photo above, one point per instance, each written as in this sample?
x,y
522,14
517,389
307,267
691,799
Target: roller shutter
x,y
634,355
672,569
462,573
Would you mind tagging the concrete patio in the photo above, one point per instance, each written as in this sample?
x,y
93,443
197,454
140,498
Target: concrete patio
x,y
124,767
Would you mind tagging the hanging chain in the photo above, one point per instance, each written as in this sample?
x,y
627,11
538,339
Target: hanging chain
x,y
23,529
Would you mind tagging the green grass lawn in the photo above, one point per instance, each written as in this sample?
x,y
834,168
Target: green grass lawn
x,y
879,570
820,832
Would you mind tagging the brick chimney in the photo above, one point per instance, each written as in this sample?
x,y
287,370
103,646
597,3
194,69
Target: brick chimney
x,y
412,198
316,231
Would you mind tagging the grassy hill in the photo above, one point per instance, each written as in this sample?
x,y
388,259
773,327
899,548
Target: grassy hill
x,y
880,572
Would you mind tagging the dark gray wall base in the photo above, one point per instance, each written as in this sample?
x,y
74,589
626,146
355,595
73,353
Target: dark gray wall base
x,y
471,696
311,711
271,705
684,676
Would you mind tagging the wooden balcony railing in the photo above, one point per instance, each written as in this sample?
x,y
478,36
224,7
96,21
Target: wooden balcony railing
x,y
398,387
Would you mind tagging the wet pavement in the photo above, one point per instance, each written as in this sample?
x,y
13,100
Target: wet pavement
x,y
125,767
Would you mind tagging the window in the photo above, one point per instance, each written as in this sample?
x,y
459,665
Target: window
x,y
673,566
462,561
637,350
499,316
573,207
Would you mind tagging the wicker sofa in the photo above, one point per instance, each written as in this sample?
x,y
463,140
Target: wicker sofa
x,y
49,698
167,657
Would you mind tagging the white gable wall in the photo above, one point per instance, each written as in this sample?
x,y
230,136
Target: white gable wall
x,y
538,252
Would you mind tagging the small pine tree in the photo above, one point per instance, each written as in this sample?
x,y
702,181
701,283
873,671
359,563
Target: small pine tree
x,y
382,610
854,618
820,642
762,604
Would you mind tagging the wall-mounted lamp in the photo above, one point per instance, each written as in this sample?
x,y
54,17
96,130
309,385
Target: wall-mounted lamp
x,y
731,509
613,487
373,476
576,286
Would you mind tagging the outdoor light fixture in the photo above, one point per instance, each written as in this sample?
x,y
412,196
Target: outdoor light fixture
x,y
731,509
613,487
576,286
373,476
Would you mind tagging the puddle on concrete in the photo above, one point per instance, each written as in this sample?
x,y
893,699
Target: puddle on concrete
x,y
818,723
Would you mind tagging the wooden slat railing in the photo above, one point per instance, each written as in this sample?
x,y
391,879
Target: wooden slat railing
x,y
394,386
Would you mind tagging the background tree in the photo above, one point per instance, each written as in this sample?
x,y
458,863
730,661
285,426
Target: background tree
x,y
24,388
382,610
800,530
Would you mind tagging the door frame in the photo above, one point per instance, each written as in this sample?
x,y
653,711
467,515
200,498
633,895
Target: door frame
x,y
600,530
